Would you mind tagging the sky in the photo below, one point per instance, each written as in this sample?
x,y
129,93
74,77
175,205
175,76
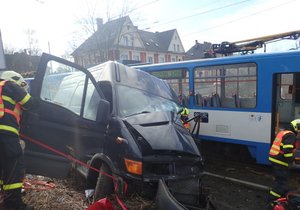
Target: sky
x,y
57,24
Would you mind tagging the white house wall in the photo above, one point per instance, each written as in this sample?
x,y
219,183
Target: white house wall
x,y
177,43
131,32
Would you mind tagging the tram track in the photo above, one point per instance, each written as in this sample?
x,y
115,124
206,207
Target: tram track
x,y
229,193
236,185
239,181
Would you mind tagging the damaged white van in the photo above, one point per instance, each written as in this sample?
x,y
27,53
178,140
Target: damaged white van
x,y
122,121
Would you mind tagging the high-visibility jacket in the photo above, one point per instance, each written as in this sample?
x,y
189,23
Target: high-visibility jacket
x,y
185,111
184,117
283,148
12,99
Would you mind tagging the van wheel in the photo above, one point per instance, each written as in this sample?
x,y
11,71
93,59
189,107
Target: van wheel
x,y
104,185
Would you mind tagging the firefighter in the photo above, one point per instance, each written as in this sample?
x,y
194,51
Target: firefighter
x,y
13,98
184,115
282,155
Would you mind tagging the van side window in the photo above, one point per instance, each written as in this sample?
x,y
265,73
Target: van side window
x,y
91,102
70,92
66,90
62,87
76,100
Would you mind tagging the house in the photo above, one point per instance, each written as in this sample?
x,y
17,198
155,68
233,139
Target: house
x,y
22,63
199,51
120,40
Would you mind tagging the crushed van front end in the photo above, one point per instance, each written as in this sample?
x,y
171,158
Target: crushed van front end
x,y
169,154
181,174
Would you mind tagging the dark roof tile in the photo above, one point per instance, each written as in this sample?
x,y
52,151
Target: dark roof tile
x,y
108,32
198,51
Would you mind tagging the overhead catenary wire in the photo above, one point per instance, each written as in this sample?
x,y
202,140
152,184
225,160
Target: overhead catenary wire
x,y
136,8
240,18
197,14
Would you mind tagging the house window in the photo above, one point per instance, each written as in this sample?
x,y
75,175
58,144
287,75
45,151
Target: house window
x,y
178,48
136,57
125,40
173,60
124,57
161,60
150,59
131,41
174,46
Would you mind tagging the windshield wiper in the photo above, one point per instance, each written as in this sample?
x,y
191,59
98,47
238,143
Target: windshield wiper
x,y
142,112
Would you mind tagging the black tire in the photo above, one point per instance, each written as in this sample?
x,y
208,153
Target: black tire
x,y
104,185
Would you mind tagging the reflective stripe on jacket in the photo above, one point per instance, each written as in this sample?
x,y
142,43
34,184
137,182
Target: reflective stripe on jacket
x,y
10,107
12,186
277,155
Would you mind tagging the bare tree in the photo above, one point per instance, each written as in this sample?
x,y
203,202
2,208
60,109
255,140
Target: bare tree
x,y
9,50
33,48
88,24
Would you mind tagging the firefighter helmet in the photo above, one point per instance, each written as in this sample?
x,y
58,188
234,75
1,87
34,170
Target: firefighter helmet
x,y
15,77
296,125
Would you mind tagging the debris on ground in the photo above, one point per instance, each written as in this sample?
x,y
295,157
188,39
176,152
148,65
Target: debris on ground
x,y
62,196
47,194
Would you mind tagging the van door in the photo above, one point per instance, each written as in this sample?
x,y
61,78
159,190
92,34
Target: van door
x,y
66,118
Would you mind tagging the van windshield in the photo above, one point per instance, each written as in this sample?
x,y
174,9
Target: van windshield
x,y
132,101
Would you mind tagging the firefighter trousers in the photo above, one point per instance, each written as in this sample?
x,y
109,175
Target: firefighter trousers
x,y
11,172
280,184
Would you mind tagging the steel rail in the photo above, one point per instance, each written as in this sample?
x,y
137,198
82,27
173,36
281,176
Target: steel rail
x,y
250,184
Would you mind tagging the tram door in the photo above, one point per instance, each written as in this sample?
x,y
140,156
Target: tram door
x,y
287,99
296,92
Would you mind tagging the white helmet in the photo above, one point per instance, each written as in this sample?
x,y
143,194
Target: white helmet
x,y
15,77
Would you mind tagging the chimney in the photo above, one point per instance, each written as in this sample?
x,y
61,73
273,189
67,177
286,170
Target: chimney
x,y
99,23
196,42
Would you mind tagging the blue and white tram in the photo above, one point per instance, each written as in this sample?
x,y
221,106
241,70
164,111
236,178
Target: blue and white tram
x,y
243,100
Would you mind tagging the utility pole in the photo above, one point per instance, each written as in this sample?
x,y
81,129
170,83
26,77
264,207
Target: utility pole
x,y
2,56
51,68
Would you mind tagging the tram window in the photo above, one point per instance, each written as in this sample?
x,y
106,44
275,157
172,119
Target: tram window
x,y
228,86
286,86
231,82
247,82
178,79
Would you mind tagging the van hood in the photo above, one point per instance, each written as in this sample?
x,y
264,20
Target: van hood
x,y
161,131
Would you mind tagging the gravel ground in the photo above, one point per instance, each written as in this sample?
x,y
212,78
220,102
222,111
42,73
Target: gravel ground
x,y
225,194
249,188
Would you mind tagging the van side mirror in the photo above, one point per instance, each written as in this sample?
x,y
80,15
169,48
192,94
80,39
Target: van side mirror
x,y
103,111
